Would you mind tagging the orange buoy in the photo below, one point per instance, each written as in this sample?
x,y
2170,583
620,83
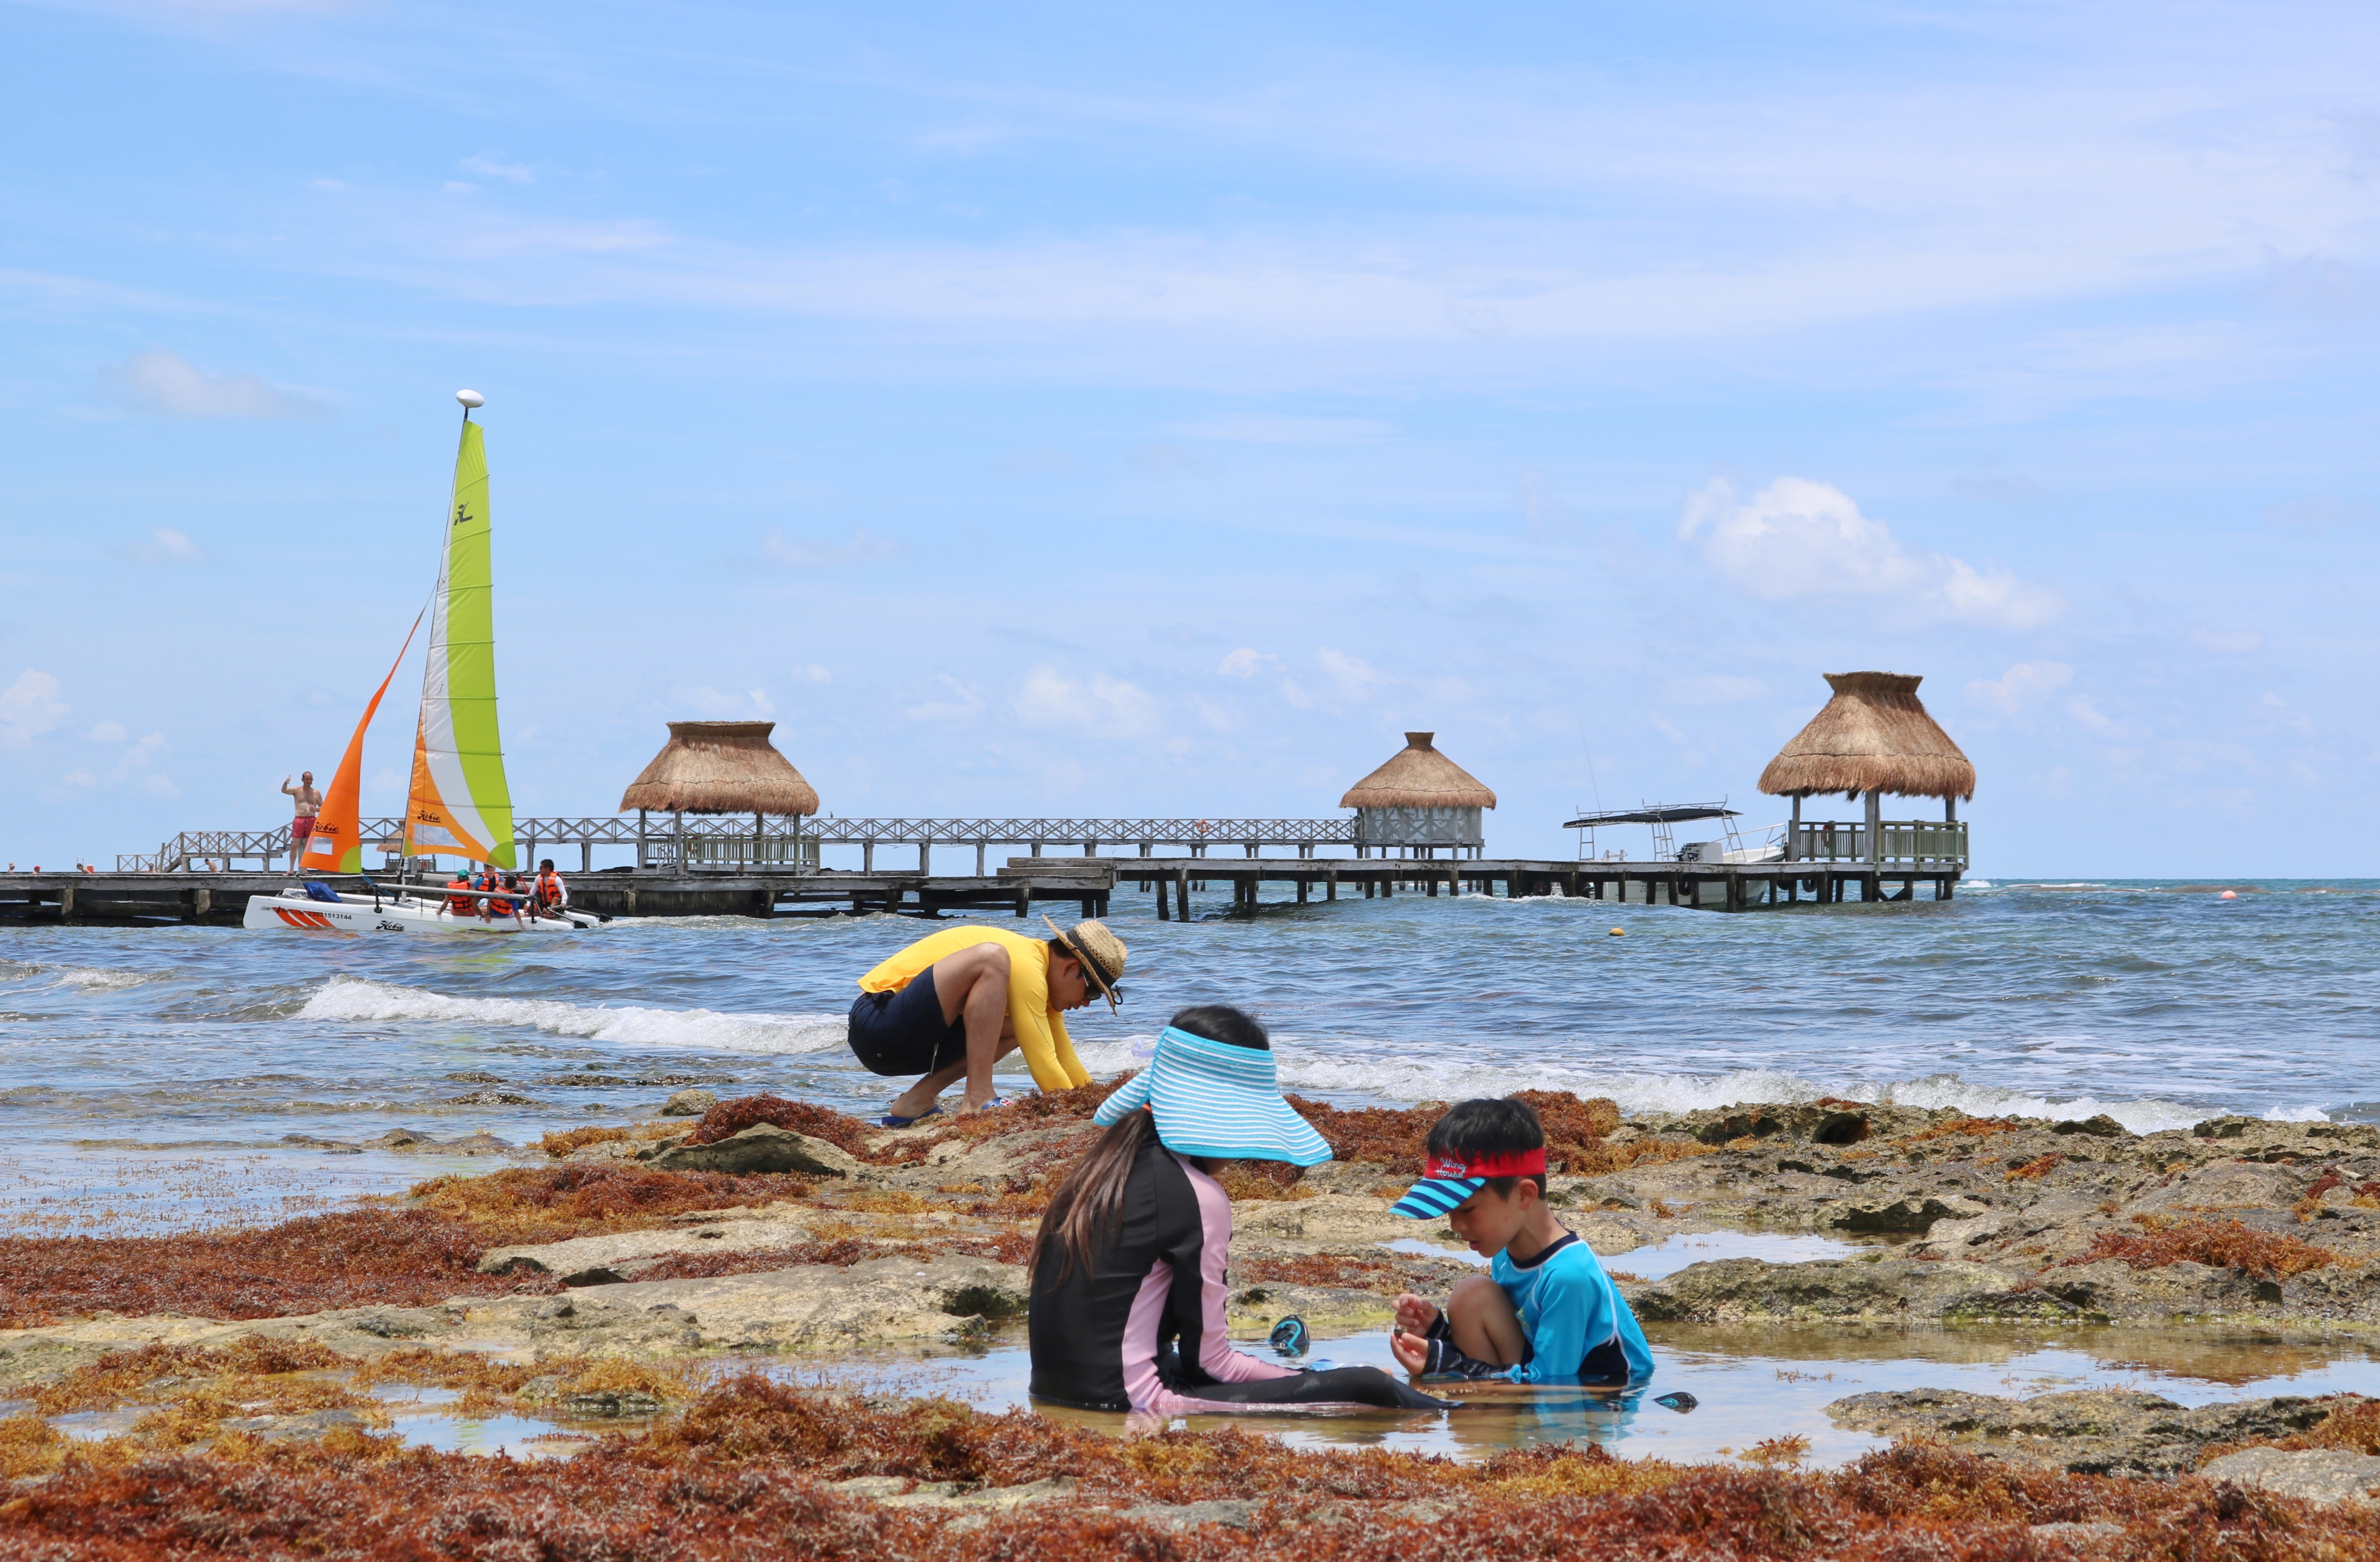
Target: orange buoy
x,y
2229,895
1620,932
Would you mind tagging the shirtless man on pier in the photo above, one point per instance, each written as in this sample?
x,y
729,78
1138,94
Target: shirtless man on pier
x,y
309,803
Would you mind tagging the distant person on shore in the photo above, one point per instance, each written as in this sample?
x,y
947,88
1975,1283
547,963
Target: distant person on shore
x,y
1545,1311
309,803
956,1003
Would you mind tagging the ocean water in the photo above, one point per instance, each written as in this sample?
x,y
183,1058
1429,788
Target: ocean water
x,y
152,1077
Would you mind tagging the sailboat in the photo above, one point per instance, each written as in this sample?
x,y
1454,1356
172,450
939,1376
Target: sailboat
x,y
458,803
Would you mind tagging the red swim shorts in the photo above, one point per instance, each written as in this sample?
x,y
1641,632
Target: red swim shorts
x,y
301,827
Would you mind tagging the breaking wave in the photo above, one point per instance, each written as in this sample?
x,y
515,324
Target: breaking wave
x,y
1402,1082
353,998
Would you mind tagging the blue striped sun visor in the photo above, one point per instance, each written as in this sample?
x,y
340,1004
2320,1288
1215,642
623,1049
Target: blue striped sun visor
x,y
1452,1177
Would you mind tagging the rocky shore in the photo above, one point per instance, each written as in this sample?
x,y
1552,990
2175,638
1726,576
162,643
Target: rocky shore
x,y
620,1261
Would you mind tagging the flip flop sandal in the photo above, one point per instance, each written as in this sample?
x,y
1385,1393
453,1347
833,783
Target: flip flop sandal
x,y
889,1121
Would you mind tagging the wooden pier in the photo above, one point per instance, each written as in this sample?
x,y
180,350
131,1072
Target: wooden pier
x,y
1087,885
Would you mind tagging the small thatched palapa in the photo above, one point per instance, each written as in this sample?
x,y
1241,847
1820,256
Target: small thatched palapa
x,y
720,767
1874,736
1418,776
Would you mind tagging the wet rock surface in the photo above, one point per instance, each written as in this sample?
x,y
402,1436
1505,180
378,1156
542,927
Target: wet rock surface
x,y
2089,1431
2318,1475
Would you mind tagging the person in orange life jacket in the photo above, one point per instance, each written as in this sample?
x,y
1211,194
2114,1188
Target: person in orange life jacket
x,y
553,894
460,905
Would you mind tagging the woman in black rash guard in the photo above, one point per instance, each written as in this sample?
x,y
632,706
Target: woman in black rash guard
x,y
1128,1265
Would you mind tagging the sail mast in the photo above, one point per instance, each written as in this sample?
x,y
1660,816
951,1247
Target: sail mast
x,y
459,804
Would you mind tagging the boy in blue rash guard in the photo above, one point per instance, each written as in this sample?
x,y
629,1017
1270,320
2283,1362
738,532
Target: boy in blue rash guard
x,y
1545,1311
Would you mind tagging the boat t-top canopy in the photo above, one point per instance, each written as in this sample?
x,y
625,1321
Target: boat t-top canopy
x,y
1657,813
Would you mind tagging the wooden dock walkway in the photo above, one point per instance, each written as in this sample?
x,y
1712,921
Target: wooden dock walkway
x,y
1088,884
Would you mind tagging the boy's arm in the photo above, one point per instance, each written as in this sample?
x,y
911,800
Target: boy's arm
x,y
1573,1315
1445,1359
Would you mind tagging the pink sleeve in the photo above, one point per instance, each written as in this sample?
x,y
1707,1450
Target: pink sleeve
x,y
1215,1353
1140,1384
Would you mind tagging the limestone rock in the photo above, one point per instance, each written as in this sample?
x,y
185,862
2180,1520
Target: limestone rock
x,y
760,1148
1745,1290
1912,1215
2320,1475
813,1307
689,1104
598,1261
2088,1431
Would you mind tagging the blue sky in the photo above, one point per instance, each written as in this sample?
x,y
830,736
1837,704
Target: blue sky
x,y
1052,410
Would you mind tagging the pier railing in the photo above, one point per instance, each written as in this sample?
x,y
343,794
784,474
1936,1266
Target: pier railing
x,y
733,840
1900,843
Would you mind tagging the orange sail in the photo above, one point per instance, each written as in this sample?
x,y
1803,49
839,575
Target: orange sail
x,y
336,845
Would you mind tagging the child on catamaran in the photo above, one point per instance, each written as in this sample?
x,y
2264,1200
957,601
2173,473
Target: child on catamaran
x,y
1128,1292
1545,1311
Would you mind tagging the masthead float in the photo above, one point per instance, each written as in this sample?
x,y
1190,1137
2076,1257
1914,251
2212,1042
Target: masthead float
x,y
458,803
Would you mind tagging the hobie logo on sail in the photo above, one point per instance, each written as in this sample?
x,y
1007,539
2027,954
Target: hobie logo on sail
x,y
462,513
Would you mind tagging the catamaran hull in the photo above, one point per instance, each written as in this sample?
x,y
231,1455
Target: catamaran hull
x,y
296,912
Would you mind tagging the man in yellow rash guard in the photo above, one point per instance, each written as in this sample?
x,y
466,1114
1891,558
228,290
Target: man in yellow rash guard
x,y
958,1003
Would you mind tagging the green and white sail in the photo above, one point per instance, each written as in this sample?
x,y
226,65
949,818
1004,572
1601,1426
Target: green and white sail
x,y
459,804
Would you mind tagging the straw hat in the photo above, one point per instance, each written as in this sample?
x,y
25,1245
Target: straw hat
x,y
1101,952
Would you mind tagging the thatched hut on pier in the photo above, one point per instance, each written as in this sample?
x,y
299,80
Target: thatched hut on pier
x,y
1418,801
723,767
1873,738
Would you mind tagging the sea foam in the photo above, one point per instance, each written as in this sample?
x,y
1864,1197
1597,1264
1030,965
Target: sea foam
x,y
353,998
1402,1081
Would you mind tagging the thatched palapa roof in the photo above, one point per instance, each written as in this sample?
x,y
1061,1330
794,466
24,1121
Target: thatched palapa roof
x,y
1418,776
1873,736
720,767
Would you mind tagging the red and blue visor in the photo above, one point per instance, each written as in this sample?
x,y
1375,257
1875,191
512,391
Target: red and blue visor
x,y
1452,1177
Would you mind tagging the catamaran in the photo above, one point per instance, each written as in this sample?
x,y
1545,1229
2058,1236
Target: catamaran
x,y
458,803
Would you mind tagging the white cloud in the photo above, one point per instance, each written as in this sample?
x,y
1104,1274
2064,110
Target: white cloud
x,y
107,731
132,762
959,703
814,553
1354,678
491,165
163,545
2021,686
1246,662
2288,715
28,707
1099,704
1797,538
2234,642
811,672
168,385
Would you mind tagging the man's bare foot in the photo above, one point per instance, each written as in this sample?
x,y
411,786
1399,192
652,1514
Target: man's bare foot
x,y
909,1104
974,1102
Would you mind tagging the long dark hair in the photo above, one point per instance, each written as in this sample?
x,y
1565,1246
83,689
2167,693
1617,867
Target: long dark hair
x,y
1087,1205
